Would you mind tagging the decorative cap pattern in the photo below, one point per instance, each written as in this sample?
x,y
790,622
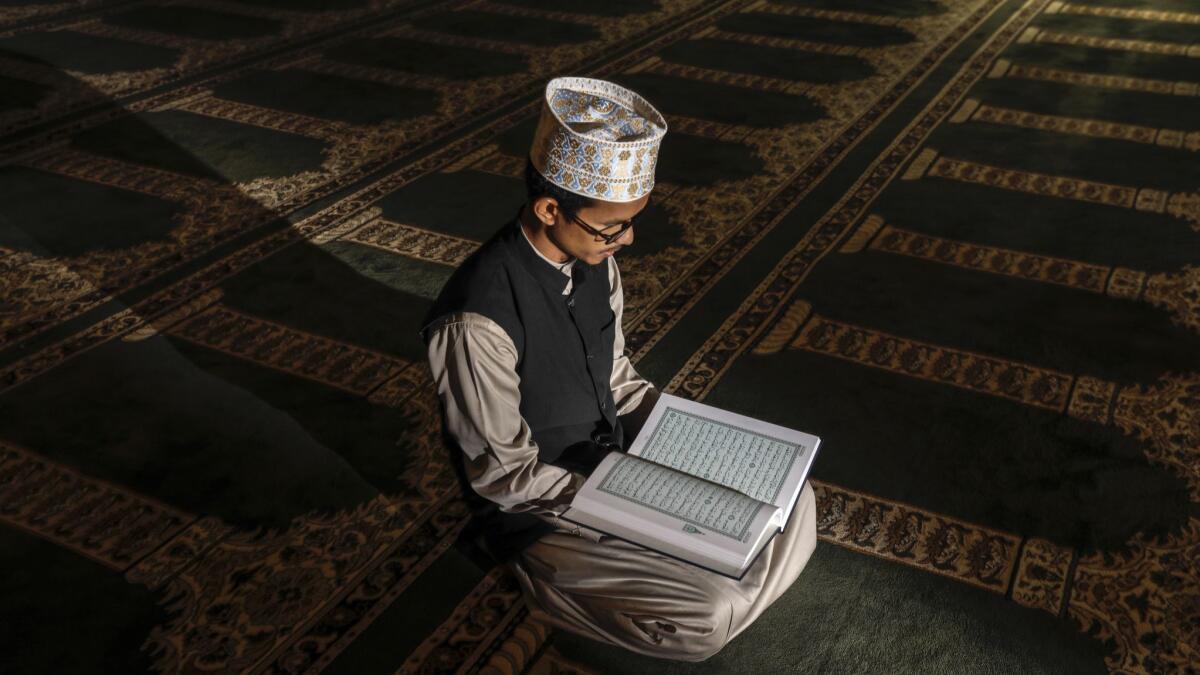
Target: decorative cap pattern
x,y
597,139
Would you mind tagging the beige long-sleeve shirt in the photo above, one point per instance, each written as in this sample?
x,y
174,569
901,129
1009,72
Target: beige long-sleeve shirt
x,y
474,365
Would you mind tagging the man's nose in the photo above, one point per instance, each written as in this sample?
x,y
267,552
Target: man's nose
x,y
626,237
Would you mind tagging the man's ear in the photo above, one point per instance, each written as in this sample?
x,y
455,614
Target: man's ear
x,y
546,210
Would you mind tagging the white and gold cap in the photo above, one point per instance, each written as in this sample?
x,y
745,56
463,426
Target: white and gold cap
x,y
597,139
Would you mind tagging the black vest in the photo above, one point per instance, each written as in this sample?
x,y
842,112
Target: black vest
x,y
564,347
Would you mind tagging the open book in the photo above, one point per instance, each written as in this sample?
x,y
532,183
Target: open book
x,y
701,484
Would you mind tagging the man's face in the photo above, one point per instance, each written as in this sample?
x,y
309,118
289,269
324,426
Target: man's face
x,y
607,217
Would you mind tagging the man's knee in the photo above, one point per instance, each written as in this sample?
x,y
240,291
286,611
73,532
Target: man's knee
x,y
705,650
711,636
809,523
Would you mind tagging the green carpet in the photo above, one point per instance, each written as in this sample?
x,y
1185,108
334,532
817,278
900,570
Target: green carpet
x,y
956,238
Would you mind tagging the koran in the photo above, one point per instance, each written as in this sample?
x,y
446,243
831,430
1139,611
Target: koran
x,y
701,484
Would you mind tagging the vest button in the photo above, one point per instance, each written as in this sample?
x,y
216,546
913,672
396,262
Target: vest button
x,y
590,356
571,302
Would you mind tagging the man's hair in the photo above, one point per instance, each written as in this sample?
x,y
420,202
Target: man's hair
x,y
536,186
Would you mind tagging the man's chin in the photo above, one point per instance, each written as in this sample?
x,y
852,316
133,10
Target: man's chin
x,y
601,257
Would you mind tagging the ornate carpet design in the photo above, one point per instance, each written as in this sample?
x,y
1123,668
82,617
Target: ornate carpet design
x,y
1119,597
956,238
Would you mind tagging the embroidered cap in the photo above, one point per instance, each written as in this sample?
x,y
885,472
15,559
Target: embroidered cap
x,y
597,139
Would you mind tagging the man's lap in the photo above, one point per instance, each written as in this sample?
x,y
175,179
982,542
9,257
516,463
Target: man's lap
x,y
612,590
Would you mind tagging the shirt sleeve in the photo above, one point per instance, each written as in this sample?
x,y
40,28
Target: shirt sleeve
x,y
628,387
474,362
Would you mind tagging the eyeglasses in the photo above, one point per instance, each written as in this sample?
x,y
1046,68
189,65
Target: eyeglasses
x,y
610,238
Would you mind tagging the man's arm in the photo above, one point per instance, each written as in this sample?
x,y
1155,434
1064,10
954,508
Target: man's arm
x,y
633,394
474,367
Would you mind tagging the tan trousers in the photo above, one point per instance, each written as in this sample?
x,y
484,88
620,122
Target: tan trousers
x,y
623,594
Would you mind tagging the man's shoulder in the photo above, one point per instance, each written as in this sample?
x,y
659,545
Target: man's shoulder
x,y
485,266
481,268
481,285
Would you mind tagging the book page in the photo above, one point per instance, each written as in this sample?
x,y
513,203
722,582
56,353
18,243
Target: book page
x,y
676,514
701,503
751,462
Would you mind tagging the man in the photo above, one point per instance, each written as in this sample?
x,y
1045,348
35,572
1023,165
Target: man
x,y
527,353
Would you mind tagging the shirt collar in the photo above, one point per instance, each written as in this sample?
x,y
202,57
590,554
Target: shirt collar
x,y
548,273
564,267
